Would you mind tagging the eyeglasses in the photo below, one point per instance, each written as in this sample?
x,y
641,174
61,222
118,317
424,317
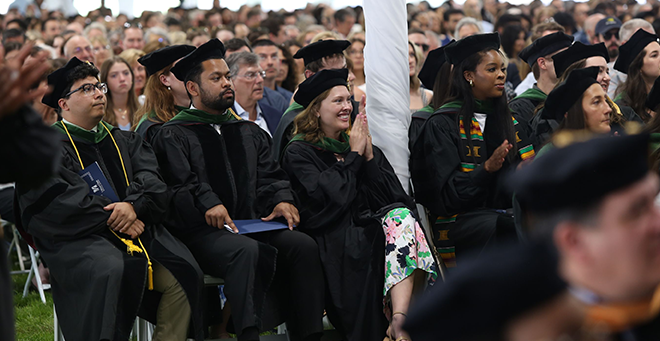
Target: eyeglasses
x,y
250,76
611,33
81,49
101,48
89,89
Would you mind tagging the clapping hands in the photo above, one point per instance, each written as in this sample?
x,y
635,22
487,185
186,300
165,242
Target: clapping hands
x,y
360,139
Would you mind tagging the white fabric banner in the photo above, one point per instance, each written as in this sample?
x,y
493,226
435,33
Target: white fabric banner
x,y
388,82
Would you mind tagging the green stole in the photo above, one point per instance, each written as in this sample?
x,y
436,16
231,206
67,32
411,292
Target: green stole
x,y
152,116
294,106
326,143
533,94
471,158
196,115
87,135
428,108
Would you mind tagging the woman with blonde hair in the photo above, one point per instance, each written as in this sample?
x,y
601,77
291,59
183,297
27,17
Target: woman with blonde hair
x,y
102,50
139,73
121,102
419,97
165,94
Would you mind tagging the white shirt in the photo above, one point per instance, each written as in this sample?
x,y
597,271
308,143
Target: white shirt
x,y
526,84
75,125
481,118
260,121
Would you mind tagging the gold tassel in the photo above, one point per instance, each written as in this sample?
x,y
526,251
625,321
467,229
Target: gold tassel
x,y
150,277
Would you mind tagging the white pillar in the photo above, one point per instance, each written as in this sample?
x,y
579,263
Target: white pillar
x,y
388,83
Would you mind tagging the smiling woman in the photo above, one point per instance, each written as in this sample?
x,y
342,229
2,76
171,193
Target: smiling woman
x,y
464,149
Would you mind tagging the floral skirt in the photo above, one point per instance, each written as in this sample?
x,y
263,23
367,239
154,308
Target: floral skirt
x,y
406,250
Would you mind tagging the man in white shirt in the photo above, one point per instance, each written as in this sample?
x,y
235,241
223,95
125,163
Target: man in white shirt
x,y
248,80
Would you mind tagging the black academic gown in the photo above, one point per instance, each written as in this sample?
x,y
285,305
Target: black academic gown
x,y
236,169
468,205
341,207
98,288
149,128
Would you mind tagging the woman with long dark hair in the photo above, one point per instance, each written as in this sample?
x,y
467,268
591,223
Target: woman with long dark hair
x,y
373,250
459,160
122,103
165,95
579,56
639,58
513,41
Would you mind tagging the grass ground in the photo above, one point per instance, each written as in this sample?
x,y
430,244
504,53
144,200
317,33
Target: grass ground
x,y
34,320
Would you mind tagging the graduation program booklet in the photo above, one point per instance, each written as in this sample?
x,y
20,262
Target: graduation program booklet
x,y
97,182
257,225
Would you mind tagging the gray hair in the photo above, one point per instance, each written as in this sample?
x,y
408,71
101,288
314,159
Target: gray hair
x,y
236,60
631,26
467,21
95,26
159,31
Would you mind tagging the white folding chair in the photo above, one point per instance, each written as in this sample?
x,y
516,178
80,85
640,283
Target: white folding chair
x,y
34,271
15,244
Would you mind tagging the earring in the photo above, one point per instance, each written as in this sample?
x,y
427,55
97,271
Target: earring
x,y
169,88
471,83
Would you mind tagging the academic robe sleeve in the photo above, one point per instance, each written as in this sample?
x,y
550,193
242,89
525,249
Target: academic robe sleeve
x,y
439,183
381,184
61,208
147,191
172,150
273,186
328,192
29,150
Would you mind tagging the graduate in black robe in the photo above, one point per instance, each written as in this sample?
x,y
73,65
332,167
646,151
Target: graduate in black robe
x,y
165,95
219,168
434,75
579,56
346,195
457,172
99,287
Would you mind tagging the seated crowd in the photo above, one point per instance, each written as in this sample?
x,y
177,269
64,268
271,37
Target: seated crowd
x,y
534,159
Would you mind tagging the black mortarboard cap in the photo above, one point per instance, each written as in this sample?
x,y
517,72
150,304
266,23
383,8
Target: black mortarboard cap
x,y
544,46
59,80
320,49
213,49
318,83
471,45
632,48
576,52
582,173
653,98
519,279
566,94
432,65
161,58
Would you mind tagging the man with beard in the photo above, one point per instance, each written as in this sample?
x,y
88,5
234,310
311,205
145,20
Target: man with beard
x,y
607,32
218,168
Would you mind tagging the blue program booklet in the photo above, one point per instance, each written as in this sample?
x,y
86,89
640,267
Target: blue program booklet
x,y
257,225
97,182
